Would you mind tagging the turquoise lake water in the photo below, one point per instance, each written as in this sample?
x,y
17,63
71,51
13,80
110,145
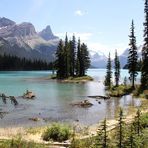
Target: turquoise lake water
x,y
53,99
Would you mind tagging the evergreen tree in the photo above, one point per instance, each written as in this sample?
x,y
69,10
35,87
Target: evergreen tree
x,y
85,60
137,123
78,58
117,69
131,137
72,51
133,141
66,57
108,77
102,139
120,132
133,56
60,61
144,69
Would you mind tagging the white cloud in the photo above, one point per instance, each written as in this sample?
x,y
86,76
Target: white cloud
x,y
79,13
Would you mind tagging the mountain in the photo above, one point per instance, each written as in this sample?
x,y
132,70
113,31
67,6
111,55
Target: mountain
x,y
47,34
22,40
6,22
98,59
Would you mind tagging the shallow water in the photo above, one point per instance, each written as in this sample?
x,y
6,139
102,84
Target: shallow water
x,y
53,99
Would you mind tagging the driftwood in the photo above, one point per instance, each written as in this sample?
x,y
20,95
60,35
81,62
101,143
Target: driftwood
x,y
28,95
99,97
84,103
11,98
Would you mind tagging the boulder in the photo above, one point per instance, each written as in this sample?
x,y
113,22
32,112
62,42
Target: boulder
x,y
29,95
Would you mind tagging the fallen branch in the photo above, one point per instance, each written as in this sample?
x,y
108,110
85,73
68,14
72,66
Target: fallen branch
x,y
99,97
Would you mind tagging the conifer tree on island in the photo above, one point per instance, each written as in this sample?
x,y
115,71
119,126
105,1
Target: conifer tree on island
x,y
72,55
117,69
144,69
108,77
69,62
66,56
133,56
78,58
85,60
60,63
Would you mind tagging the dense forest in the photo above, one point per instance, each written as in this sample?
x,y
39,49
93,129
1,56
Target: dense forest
x,y
8,62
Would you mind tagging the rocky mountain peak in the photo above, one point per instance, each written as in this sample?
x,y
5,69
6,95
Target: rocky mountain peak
x,y
6,22
47,34
25,29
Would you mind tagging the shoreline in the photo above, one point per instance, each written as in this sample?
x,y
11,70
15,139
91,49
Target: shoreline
x,y
35,133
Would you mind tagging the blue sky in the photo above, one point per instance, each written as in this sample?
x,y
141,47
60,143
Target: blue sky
x,y
103,25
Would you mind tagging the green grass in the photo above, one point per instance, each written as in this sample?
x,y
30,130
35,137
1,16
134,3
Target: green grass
x,y
19,143
81,78
122,90
75,79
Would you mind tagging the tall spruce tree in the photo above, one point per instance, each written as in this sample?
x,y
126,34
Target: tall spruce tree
x,y
66,56
73,55
102,139
117,69
60,61
133,56
85,60
144,69
78,58
108,77
121,132
137,123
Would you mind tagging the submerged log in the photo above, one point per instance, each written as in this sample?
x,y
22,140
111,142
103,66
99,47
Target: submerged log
x,y
34,119
100,97
12,99
84,103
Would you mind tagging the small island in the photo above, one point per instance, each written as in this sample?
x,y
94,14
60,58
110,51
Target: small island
x,y
81,79
72,61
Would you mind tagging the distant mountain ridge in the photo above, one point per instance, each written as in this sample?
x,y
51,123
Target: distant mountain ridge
x,y
22,40
99,60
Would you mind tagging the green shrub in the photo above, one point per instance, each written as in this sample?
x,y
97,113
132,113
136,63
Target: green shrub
x,y
144,120
57,132
120,91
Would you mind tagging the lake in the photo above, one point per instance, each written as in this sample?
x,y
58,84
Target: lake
x,y
53,99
